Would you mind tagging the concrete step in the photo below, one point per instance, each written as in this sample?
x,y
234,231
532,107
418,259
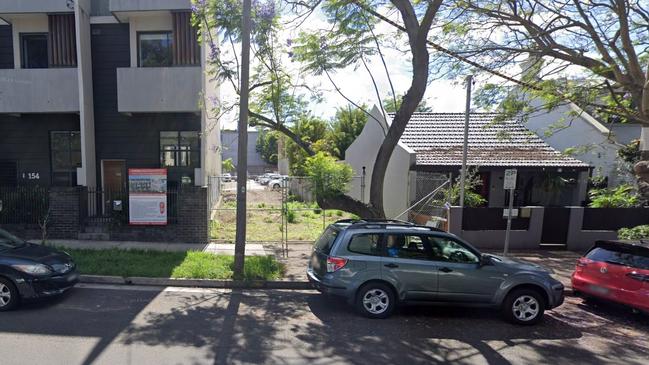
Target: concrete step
x,y
102,236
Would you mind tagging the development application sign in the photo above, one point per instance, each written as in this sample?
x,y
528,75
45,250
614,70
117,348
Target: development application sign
x,y
147,198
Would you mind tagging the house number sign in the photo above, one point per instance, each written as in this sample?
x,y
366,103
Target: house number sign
x,y
31,175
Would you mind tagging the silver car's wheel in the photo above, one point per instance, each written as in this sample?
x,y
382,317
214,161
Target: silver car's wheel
x,y
525,308
8,295
376,301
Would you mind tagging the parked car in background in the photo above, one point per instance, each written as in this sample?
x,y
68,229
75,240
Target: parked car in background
x,y
264,180
227,177
30,271
616,271
379,264
277,182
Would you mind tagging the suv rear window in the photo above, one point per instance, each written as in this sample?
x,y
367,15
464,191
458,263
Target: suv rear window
x,y
619,256
326,240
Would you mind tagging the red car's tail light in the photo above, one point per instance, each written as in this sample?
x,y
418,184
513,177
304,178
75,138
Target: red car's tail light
x,y
335,263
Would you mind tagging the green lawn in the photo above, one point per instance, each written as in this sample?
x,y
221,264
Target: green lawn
x,y
186,265
306,222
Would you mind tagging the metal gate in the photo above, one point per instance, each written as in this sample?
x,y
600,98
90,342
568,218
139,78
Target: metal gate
x,y
556,222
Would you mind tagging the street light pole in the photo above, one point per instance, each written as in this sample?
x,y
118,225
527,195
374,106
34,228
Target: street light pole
x,y
242,150
465,146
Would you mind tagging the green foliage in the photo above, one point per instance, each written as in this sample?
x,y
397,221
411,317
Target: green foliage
x,y
630,153
471,198
290,216
329,177
635,233
311,130
390,106
345,127
228,165
267,146
623,196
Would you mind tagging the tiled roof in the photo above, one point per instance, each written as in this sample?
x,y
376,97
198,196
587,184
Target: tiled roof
x,y
437,139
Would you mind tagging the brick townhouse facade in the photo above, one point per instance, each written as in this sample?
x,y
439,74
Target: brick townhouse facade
x,y
91,88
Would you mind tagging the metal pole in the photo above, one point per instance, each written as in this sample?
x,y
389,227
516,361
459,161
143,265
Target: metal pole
x,y
363,186
242,157
509,221
465,145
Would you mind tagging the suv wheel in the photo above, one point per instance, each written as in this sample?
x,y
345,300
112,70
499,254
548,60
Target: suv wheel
x,y
375,300
8,295
524,306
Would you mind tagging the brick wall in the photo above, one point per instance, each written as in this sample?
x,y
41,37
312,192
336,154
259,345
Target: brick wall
x,y
63,213
191,225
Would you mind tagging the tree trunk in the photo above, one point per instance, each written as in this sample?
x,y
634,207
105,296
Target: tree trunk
x,y
417,37
350,205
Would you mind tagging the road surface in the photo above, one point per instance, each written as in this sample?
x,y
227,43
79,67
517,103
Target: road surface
x,y
147,325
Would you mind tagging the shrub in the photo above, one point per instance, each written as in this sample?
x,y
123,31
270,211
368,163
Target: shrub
x,y
290,216
635,233
623,196
330,177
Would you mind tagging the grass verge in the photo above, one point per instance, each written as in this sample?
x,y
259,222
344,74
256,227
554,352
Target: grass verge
x,y
178,265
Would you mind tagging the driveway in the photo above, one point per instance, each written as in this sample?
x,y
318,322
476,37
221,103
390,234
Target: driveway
x,y
144,325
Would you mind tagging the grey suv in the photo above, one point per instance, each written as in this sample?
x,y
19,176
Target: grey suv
x,y
377,264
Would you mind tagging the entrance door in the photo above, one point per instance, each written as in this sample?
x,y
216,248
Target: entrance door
x,y
555,226
113,182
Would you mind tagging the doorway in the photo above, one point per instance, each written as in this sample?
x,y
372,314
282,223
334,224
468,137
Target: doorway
x,y
113,180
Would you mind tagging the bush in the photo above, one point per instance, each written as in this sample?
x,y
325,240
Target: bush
x,y
623,196
290,216
635,233
330,177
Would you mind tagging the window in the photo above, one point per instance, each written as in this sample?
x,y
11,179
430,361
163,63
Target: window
x,y
154,49
34,50
445,249
619,256
365,243
65,150
179,149
326,240
408,247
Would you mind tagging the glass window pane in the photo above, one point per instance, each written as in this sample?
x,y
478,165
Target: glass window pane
x,y
189,139
155,49
34,50
407,247
75,141
60,141
366,244
448,250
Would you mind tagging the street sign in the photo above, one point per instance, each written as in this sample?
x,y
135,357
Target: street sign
x,y
509,182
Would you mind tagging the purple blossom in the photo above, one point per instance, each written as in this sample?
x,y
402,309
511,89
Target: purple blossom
x,y
289,42
214,101
265,10
214,51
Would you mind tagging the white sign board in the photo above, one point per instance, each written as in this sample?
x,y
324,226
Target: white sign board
x,y
513,215
510,179
147,199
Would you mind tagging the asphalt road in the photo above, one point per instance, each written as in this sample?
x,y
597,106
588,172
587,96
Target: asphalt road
x,y
143,325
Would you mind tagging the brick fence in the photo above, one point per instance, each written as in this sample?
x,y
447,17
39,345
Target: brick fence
x,y
64,220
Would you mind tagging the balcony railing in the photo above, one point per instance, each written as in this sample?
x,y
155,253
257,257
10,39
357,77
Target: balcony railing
x,y
158,89
149,5
44,90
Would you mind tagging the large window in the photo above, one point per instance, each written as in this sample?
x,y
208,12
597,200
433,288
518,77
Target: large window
x,y
407,247
154,49
65,149
33,50
179,149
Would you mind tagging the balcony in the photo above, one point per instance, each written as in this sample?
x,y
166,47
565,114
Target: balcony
x,y
34,6
149,5
158,89
45,90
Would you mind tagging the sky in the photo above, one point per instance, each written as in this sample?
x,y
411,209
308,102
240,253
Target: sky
x,y
441,95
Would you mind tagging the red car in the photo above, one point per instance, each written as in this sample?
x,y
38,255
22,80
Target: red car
x,y
617,271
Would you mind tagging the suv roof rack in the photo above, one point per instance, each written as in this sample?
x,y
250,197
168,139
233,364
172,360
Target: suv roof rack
x,y
364,222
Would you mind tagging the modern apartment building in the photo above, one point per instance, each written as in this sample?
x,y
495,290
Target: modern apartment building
x,y
91,88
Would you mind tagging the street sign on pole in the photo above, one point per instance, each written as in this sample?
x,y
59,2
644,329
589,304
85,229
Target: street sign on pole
x,y
509,183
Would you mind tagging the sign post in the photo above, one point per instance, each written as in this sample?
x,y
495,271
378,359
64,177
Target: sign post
x,y
509,183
